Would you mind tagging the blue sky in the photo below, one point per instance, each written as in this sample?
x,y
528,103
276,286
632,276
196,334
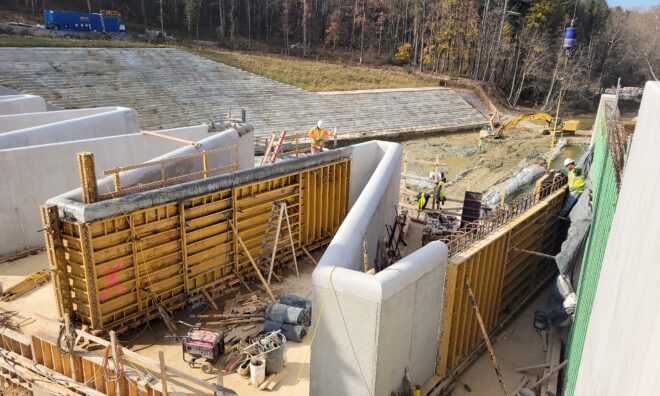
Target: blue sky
x,y
633,3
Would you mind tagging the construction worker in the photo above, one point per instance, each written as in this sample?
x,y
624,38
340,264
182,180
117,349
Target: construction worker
x,y
576,183
318,136
439,192
423,199
481,144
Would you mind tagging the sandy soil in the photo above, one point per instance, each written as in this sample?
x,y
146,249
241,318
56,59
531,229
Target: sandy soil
x,y
149,340
500,159
155,339
518,345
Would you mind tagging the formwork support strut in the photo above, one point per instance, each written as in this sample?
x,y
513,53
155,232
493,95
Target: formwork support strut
x,y
87,171
56,259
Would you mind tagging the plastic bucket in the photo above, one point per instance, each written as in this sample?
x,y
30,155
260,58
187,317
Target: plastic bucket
x,y
257,370
275,357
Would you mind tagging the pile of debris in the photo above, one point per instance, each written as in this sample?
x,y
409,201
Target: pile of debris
x,y
252,350
25,286
242,310
439,227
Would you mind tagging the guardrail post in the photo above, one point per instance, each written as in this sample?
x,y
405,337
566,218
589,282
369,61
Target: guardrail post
x,y
205,161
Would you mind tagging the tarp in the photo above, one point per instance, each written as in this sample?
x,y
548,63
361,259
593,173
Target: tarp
x,y
296,301
286,314
291,332
580,217
525,177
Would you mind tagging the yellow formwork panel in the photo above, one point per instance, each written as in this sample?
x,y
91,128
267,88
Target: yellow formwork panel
x,y
501,277
120,267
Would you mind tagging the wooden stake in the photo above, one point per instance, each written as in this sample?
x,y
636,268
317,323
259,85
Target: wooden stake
x,y
115,361
309,255
254,265
56,259
473,301
545,377
87,174
502,195
163,372
211,301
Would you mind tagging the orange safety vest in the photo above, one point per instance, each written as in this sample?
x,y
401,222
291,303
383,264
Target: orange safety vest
x,y
318,135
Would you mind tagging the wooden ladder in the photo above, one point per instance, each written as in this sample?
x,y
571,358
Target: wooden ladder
x,y
273,148
271,241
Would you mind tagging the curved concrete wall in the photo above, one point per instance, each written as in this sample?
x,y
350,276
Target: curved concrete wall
x,y
371,327
36,173
242,137
15,122
120,121
16,104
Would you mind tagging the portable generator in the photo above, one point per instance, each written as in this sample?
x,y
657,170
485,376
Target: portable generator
x,y
205,344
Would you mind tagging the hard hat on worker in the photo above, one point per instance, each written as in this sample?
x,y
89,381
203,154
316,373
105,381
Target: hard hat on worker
x,y
319,124
568,161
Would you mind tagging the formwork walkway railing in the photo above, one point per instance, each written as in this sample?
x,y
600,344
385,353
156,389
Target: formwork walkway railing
x,y
476,231
165,179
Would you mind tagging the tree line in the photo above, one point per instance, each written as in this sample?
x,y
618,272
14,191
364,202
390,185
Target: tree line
x,y
514,45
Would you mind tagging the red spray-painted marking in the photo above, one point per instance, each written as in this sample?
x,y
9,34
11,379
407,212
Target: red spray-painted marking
x,y
112,281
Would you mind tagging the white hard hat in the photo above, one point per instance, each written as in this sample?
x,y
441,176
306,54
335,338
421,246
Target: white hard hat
x,y
319,124
568,161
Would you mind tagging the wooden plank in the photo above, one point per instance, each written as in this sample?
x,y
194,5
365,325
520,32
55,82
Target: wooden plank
x,y
254,265
163,372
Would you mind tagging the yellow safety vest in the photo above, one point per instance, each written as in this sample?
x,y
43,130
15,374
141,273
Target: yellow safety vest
x,y
421,202
576,182
439,190
318,136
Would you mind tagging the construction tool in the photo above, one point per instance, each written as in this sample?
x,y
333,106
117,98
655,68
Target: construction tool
x,y
205,344
25,286
473,301
270,244
254,265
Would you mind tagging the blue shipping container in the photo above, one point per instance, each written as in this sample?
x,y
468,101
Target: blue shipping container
x,y
81,21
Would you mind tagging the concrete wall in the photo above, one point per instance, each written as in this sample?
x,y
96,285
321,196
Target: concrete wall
x,y
374,326
15,104
36,173
621,354
119,121
244,156
14,122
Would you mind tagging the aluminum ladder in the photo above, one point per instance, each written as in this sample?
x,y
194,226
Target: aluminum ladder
x,y
272,238
273,148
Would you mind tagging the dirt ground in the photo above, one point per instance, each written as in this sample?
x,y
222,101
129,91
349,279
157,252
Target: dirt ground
x,y
519,344
467,168
148,340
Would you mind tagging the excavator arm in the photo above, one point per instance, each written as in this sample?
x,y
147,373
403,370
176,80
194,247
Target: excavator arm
x,y
536,116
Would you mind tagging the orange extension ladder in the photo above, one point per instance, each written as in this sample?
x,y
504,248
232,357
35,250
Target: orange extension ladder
x,y
273,148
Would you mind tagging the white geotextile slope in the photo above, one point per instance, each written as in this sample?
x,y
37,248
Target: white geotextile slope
x,y
171,88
